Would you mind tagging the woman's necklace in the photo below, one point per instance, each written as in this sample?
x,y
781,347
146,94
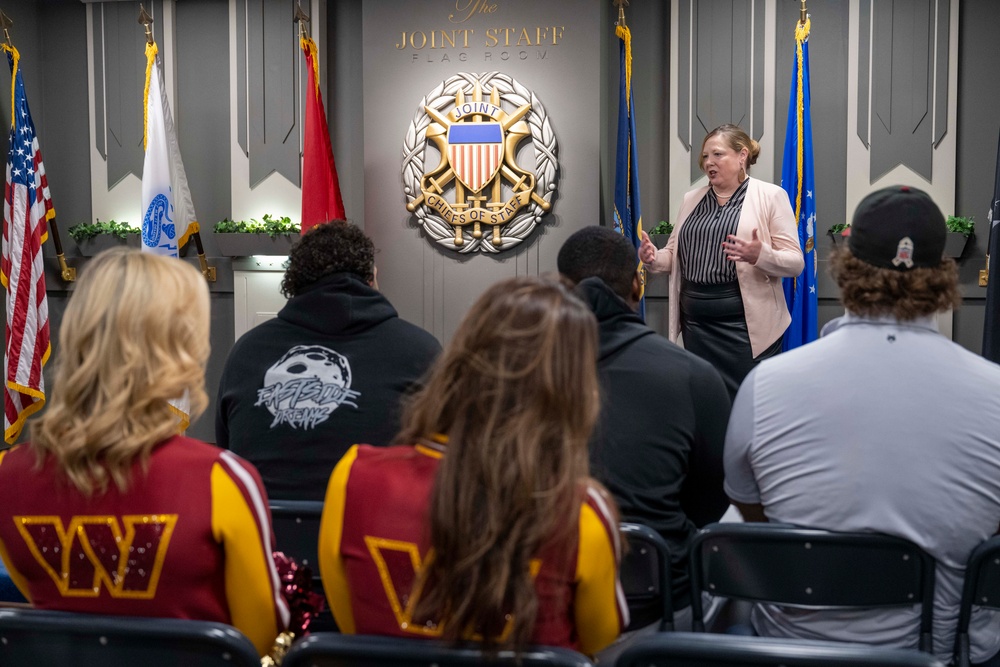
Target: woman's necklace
x,y
724,198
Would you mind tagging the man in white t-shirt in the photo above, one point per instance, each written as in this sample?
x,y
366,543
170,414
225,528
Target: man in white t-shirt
x,y
883,425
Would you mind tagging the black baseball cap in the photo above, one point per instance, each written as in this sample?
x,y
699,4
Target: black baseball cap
x,y
898,228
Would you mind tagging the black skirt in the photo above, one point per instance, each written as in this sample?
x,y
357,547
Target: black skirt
x,y
714,327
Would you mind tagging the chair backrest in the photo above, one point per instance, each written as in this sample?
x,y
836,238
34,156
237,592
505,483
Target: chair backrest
x,y
34,637
645,577
296,530
811,568
981,588
8,591
325,649
684,649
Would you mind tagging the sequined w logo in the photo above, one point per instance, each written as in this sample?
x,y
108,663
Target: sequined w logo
x,y
126,557
399,565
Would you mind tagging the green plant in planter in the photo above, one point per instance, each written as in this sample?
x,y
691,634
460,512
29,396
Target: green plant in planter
x,y
269,225
664,228
88,230
961,225
838,228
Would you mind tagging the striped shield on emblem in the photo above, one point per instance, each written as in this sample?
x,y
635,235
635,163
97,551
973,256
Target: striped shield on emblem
x,y
475,151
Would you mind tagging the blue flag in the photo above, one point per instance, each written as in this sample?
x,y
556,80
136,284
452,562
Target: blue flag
x,y
797,178
628,215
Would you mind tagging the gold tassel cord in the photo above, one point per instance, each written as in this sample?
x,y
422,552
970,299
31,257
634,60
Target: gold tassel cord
x,y
16,57
309,45
625,35
801,34
151,52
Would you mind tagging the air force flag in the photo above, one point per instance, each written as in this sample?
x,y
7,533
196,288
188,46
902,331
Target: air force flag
x,y
167,213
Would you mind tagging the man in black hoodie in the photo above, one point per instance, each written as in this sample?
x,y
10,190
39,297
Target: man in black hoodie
x,y
329,372
658,445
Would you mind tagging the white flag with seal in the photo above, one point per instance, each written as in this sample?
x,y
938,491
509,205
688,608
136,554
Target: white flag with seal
x,y
167,212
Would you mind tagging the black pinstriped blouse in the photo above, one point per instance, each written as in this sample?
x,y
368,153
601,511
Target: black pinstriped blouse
x,y
699,245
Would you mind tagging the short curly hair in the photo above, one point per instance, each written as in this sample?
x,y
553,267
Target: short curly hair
x,y
335,247
872,291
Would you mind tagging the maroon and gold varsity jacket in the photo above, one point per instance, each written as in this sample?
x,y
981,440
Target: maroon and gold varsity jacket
x,y
373,540
190,538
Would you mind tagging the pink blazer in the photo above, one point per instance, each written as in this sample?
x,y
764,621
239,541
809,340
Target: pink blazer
x,y
766,209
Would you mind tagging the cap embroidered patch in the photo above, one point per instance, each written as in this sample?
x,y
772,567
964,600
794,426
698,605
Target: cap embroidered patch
x,y
904,253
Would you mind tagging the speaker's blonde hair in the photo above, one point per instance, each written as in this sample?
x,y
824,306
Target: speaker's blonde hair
x,y
736,139
134,336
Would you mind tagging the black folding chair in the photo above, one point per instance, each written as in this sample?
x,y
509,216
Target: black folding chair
x,y
808,568
981,588
296,533
645,577
34,637
684,649
334,650
296,530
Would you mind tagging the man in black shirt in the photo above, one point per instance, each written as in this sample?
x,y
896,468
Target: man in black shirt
x,y
659,441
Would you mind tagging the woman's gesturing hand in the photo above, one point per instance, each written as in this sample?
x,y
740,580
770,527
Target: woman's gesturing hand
x,y
647,251
741,250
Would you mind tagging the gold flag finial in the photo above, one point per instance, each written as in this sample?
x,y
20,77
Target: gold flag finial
x,y
147,21
621,5
302,19
6,23
802,14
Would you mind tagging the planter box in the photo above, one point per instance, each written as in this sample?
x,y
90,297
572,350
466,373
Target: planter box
x,y
659,240
247,245
955,244
102,242
838,240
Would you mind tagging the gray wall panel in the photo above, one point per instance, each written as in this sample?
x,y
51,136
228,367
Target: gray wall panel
x,y
203,123
943,27
344,109
63,134
125,78
685,31
272,100
97,34
864,65
902,87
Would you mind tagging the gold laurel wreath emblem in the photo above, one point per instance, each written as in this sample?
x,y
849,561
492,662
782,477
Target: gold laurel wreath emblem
x,y
511,200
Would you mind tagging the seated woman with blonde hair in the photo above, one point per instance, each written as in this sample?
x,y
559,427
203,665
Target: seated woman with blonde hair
x,y
108,509
486,525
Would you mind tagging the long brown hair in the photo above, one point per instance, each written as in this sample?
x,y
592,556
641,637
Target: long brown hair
x,y
134,337
516,395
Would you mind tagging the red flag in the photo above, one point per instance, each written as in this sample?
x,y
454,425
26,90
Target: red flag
x,y
27,207
321,201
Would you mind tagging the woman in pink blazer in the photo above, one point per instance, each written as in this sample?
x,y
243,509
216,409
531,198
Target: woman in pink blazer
x,y
733,242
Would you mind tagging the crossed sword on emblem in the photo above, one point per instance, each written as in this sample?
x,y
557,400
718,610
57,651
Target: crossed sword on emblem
x,y
515,131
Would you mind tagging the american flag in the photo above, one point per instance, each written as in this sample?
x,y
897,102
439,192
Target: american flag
x,y
27,208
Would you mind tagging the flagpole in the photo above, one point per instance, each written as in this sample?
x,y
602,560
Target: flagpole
x,y
302,19
208,271
67,272
621,4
